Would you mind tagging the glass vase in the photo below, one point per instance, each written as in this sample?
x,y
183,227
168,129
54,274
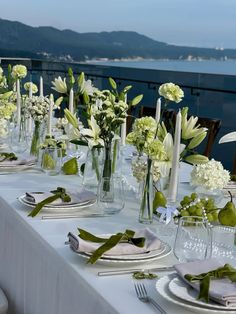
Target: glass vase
x,y
51,159
146,201
36,139
18,138
92,169
116,157
110,195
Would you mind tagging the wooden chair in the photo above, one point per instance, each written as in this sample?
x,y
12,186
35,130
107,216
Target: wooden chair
x,y
169,116
213,126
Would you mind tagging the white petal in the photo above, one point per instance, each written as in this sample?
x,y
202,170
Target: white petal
x,y
87,132
230,137
168,144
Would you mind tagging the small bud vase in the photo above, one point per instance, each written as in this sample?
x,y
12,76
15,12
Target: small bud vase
x,y
146,201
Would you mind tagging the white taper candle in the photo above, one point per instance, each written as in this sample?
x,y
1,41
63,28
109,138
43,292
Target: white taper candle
x,y
50,115
158,110
18,103
71,101
30,118
123,129
173,187
41,86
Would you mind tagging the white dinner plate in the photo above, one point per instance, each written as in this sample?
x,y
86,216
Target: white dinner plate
x,y
162,287
62,205
125,260
185,292
60,209
16,168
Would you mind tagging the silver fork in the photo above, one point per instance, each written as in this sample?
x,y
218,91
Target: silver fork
x,y
143,296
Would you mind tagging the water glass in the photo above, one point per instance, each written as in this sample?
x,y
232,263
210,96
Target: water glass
x,y
193,239
18,139
51,160
224,243
111,195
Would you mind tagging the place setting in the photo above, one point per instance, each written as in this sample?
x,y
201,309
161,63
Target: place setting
x,y
59,203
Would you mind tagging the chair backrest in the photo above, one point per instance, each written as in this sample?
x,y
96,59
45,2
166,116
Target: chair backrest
x,y
213,126
169,116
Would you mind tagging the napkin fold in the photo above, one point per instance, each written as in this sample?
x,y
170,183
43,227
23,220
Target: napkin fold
x,y
19,162
76,197
222,291
152,243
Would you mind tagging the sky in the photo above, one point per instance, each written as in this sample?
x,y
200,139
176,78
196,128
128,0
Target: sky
x,y
201,23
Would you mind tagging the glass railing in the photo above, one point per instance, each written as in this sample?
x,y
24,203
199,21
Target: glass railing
x,y
207,95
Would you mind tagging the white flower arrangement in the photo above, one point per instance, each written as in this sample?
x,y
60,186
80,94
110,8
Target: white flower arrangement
x,y
139,169
38,108
3,127
34,87
19,71
210,175
171,92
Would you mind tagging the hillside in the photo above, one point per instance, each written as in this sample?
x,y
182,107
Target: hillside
x,y
20,40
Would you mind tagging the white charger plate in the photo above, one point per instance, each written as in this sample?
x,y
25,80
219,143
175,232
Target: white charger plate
x,y
58,210
185,292
125,260
162,287
64,205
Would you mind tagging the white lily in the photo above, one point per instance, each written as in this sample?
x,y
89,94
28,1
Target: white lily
x,y
189,128
93,133
165,166
59,85
230,137
87,87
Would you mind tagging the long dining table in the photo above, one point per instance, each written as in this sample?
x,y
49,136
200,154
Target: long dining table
x,y
39,273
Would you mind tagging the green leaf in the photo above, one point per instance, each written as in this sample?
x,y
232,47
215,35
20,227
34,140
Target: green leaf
x,y
86,98
141,275
136,100
196,159
112,83
197,140
79,142
8,156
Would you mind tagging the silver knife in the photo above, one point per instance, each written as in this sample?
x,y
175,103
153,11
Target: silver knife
x,y
132,270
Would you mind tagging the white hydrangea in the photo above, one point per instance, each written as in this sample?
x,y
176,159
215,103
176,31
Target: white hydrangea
x,y
210,175
139,169
3,127
38,107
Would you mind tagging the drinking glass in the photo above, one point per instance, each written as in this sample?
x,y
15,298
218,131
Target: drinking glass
x,y
193,239
111,195
224,243
50,159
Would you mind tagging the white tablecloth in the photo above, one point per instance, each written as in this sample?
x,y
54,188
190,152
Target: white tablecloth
x,y
40,274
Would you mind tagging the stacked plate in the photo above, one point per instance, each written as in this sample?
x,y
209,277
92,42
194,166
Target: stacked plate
x,y
130,259
83,200
17,165
177,291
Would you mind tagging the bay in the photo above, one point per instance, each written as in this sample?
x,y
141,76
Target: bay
x,y
227,67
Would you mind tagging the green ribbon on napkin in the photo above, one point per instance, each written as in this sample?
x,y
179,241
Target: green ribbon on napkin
x,y
109,243
227,271
8,156
58,193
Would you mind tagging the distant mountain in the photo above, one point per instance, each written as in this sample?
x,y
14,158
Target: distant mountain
x,y
20,40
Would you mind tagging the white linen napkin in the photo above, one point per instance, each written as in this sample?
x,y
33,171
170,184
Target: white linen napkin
x,y
152,243
222,291
76,197
19,162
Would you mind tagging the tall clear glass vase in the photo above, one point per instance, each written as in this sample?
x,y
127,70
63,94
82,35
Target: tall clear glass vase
x,y
146,201
36,138
92,169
